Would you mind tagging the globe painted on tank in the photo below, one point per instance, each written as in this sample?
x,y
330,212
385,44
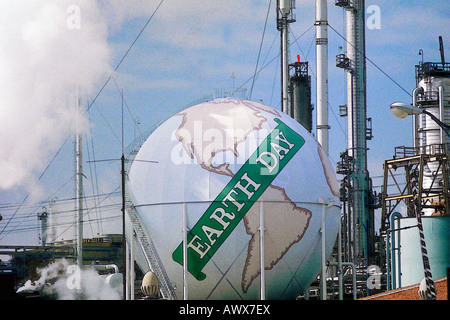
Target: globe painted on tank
x,y
249,185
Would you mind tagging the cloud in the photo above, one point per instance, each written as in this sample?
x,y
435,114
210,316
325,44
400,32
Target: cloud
x,y
196,45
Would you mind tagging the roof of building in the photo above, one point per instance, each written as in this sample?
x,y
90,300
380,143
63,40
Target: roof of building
x,y
410,292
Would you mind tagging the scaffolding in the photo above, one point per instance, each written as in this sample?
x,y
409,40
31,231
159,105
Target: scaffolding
x,y
433,195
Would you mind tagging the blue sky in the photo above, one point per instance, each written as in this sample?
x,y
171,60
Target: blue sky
x,y
187,50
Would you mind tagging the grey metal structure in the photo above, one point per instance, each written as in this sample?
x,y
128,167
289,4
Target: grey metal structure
x,y
432,94
426,165
78,154
300,94
322,73
356,187
285,16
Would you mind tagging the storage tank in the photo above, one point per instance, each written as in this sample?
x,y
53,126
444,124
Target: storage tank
x,y
433,95
225,170
436,231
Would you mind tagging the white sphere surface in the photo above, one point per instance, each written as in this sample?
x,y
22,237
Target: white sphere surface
x,y
235,167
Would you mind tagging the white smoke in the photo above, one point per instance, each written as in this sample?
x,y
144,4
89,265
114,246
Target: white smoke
x,y
47,49
47,275
64,281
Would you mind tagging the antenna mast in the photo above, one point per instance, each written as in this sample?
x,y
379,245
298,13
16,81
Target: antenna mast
x,y
284,17
78,184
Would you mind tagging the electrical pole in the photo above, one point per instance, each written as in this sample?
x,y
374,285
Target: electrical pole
x,y
78,184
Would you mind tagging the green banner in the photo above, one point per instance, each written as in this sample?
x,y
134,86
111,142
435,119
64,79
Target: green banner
x,y
238,196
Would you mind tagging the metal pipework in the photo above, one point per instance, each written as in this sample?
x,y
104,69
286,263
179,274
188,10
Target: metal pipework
x,y
322,74
357,129
416,92
395,216
284,17
323,280
106,267
351,264
78,154
441,112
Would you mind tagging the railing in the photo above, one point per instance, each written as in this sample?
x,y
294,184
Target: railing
x,y
403,152
151,255
430,68
431,149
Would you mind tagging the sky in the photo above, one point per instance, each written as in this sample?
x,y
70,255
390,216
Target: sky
x,y
163,56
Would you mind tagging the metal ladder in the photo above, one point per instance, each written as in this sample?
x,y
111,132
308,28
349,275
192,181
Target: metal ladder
x,y
149,250
144,239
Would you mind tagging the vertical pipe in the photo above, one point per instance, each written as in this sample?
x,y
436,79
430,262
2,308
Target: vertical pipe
x,y
322,73
351,264
284,65
395,216
79,184
388,260
340,275
399,253
185,261
285,69
350,35
323,280
132,258
261,246
127,271
416,120
42,217
124,243
393,261
350,48
441,111
354,281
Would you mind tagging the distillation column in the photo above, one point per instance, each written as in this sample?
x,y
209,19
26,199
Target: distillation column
x,y
361,221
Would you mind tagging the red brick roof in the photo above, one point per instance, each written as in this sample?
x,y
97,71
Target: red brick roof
x,y
410,292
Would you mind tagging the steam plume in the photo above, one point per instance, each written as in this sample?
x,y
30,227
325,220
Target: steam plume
x,y
47,49
55,280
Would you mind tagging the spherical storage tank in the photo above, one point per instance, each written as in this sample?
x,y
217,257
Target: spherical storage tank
x,y
225,170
